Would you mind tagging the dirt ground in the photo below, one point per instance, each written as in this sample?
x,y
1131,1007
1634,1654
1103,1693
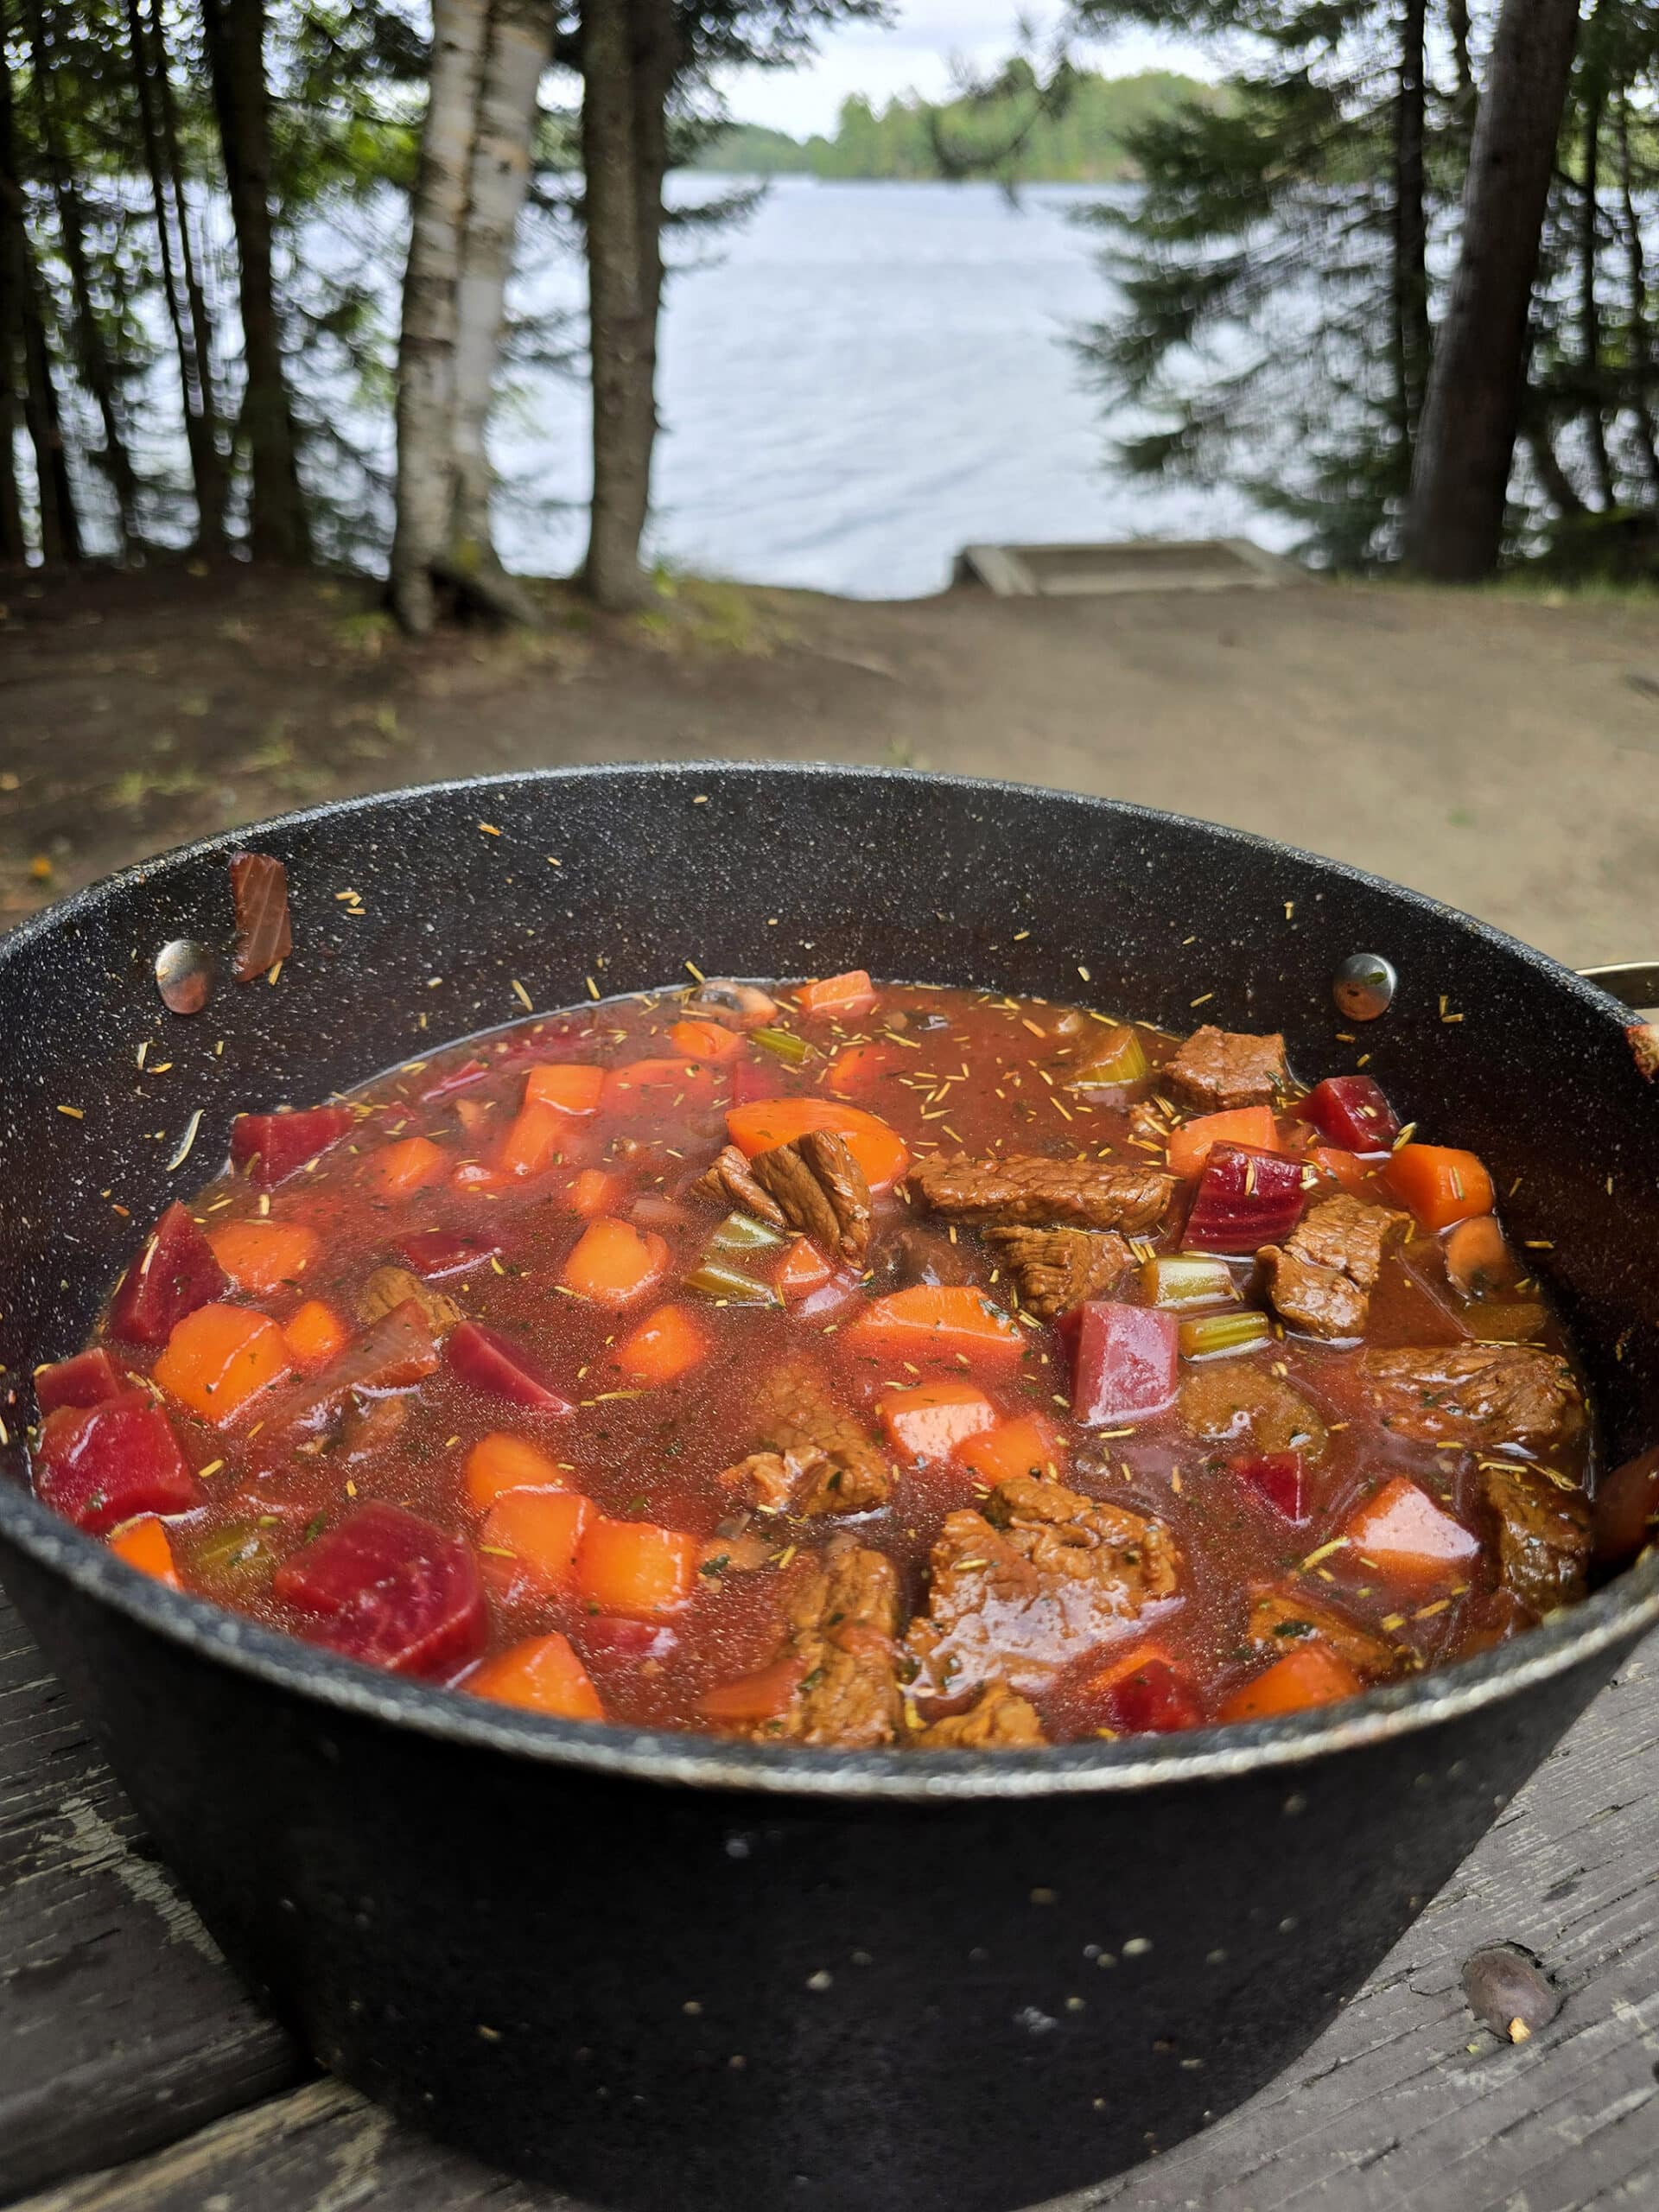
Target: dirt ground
x,y
1499,752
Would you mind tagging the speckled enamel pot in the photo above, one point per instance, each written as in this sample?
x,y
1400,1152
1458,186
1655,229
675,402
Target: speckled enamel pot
x,y
666,1972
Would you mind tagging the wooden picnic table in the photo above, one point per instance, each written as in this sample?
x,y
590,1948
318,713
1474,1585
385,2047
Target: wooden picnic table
x,y
134,2076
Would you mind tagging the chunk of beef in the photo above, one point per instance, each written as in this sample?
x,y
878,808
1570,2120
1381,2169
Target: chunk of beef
x,y
914,1254
730,1183
1280,1619
1220,1068
1057,1268
1480,1395
1543,1534
998,1721
1149,1122
368,1427
735,1006
819,1188
815,1457
1034,1581
1320,1302
843,1622
1347,1234
1082,1192
388,1289
1238,1403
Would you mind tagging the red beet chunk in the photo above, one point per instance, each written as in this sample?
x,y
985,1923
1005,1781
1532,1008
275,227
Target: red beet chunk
x,y
493,1362
606,1640
86,1380
461,1079
435,1252
259,889
390,1589
1245,1199
97,1466
392,1353
272,1146
1155,1700
562,1040
176,1273
1123,1361
1351,1111
1281,1479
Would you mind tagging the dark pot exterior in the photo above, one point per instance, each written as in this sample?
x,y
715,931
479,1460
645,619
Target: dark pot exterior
x,y
671,1973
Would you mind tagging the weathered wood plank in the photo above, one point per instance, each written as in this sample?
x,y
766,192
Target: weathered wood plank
x,y
120,2026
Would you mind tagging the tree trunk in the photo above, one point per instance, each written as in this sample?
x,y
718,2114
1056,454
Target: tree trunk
x,y
1589,240
236,60
24,323
1558,485
1411,336
1635,271
1477,382
202,328
1457,16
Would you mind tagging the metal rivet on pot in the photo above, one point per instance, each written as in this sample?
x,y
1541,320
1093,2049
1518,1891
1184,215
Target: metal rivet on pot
x,y
185,971
1364,985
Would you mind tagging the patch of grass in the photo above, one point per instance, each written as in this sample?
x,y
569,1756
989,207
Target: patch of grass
x,y
366,635
707,614
134,788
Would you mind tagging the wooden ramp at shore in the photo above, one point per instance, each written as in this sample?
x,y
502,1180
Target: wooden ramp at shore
x,y
1129,565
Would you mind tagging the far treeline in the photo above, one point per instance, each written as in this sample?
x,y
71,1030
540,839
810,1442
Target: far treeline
x,y
1394,273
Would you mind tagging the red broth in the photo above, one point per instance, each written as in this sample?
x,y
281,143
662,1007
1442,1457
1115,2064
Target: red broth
x,y
521,1482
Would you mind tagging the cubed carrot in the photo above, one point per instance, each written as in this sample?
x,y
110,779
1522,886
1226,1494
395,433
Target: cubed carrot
x,y
937,1321
143,1543
595,1191
541,1674
1440,1183
650,1086
880,1151
1191,1145
565,1085
534,1139
614,1262
756,1697
635,1568
410,1163
1027,1446
1407,1537
531,1540
1311,1676
857,1070
314,1333
837,997
219,1358
1129,1660
667,1343
1344,1168
932,1420
259,1257
706,1041
802,1270
499,1462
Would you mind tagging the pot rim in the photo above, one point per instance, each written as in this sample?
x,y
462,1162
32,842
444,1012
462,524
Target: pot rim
x,y
1601,1624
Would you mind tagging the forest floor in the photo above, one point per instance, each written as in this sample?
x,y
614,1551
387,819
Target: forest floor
x,y
1499,750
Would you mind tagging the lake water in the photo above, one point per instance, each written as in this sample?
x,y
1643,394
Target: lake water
x,y
858,381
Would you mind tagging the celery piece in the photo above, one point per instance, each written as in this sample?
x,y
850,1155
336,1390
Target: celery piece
x,y
741,1232
1218,1336
231,1559
1118,1059
711,1280
1180,1279
783,1044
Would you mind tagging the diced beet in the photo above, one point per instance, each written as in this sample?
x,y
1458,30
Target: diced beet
x,y
1245,1199
99,1465
389,1588
1351,1111
560,1040
461,1079
272,1146
176,1273
490,1362
1123,1361
606,1640
435,1252
392,1353
86,1380
1155,1700
1281,1479
751,1081
259,892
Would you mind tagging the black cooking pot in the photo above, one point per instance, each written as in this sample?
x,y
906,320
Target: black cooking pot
x,y
676,1972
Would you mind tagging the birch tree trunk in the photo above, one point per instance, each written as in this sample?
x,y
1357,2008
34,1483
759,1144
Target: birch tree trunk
x,y
621,314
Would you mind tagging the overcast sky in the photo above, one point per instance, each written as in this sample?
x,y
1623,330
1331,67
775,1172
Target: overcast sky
x,y
915,55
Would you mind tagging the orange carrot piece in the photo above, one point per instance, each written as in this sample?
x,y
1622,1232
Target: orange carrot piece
x,y
756,1697
706,1041
937,1322
1409,1538
932,1420
614,1262
1479,1260
410,1163
880,1151
635,1568
143,1543
1438,1183
1344,1168
1191,1145
1027,1446
648,1086
802,1270
314,1333
219,1358
844,997
667,1343
499,1463
566,1086
1312,1675
535,1137
542,1530
595,1191
260,1257
1128,1663
857,1068
541,1674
